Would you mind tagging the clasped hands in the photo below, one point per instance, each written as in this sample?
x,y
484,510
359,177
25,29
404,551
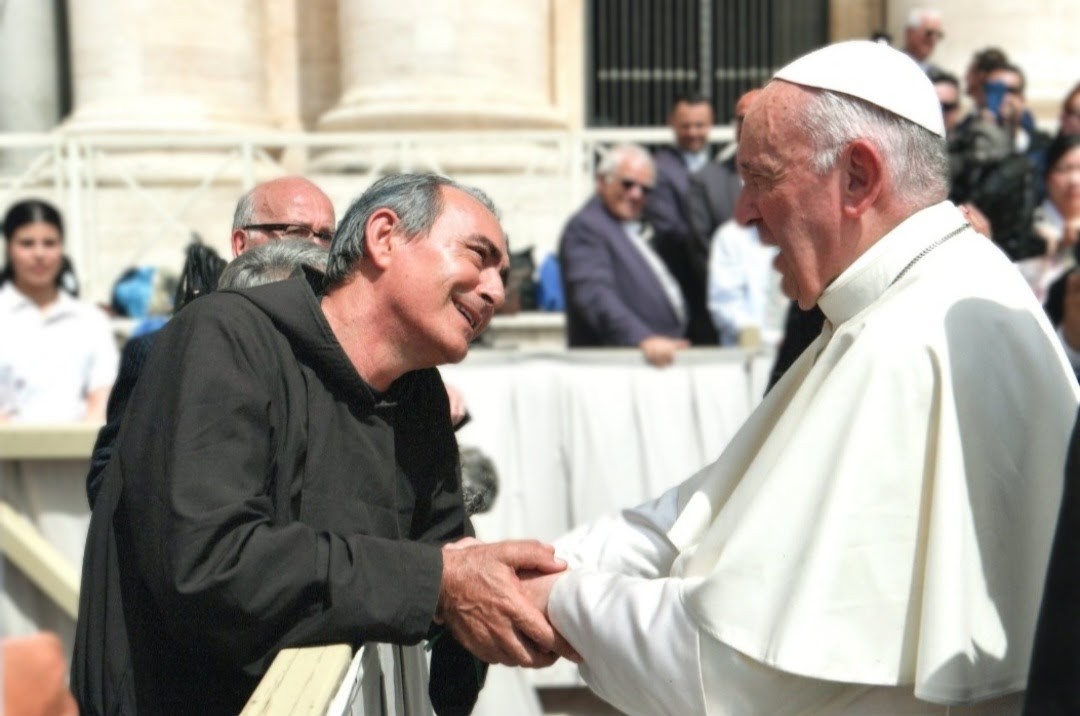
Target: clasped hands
x,y
494,601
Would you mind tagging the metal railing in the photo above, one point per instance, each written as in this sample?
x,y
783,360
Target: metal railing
x,y
538,178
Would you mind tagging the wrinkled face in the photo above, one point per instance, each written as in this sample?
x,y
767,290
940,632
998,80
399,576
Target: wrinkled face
x,y
920,41
446,286
625,191
288,209
691,124
793,207
741,108
1070,115
1063,184
949,96
35,253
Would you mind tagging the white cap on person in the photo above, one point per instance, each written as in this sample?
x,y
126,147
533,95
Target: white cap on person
x,y
874,73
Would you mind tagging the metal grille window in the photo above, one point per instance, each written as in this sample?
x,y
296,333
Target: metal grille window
x,y
644,53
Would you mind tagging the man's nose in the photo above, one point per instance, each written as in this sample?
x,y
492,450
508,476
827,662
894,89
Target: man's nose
x,y
492,288
745,209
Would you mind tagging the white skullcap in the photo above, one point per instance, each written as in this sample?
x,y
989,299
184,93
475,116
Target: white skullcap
x,y
874,73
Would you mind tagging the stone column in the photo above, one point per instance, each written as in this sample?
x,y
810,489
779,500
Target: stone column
x,y
29,96
169,66
30,84
445,64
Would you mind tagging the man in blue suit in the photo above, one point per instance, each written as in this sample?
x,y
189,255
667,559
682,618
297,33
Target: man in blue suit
x,y
618,290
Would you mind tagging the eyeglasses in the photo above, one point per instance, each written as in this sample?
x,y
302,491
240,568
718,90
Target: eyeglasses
x,y
950,106
628,184
934,34
294,231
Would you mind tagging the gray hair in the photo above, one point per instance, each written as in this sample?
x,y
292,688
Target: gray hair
x,y
918,15
613,157
415,198
915,158
245,210
272,261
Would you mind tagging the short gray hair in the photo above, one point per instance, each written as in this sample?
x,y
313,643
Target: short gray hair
x,y
613,157
415,198
918,15
272,261
915,158
245,210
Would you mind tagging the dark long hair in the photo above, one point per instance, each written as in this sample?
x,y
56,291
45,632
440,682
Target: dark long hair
x,y
32,211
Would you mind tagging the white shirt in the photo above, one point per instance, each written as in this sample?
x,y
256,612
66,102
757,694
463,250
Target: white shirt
x,y
743,286
695,160
875,537
50,361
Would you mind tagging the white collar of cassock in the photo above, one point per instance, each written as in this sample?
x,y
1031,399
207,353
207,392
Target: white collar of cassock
x,y
871,274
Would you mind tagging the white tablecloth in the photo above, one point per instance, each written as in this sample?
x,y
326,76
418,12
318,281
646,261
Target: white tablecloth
x,y
576,434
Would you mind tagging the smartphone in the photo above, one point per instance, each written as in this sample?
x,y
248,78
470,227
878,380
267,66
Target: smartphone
x,y
995,95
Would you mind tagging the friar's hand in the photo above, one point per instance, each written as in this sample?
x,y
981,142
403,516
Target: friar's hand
x,y
488,611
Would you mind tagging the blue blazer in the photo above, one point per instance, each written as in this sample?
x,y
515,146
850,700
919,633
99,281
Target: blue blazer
x,y
613,298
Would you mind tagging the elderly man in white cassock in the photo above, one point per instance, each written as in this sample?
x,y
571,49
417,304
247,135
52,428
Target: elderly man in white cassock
x,y
875,537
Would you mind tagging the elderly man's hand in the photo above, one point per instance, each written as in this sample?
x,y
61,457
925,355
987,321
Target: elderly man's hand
x,y
660,350
488,611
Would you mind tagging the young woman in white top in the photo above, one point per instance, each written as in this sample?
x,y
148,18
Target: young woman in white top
x,y
58,357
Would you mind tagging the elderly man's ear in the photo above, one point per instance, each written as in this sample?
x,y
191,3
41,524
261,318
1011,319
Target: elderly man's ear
x,y
863,173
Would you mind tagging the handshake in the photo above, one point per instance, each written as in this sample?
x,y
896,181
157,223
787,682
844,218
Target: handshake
x,y
494,601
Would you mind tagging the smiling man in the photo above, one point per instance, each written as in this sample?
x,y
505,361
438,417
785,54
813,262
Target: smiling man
x,y
287,475
618,290
874,539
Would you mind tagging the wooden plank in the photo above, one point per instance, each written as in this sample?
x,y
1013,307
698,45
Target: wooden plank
x,y
300,681
48,442
38,560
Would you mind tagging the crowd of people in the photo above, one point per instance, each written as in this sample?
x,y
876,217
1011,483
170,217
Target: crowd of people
x,y
657,259
278,467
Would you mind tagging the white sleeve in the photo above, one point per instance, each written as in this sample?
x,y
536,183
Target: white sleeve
x,y
104,355
639,645
633,542
727,284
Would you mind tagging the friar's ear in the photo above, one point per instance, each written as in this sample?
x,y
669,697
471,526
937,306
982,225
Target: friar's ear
x,y
381,232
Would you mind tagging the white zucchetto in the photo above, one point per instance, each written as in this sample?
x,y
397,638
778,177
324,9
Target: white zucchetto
x,y
875,73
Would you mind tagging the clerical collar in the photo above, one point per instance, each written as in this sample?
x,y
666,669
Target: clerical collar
x,y
874,272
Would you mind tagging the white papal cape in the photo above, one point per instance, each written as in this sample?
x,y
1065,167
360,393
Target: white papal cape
x,y
875,537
